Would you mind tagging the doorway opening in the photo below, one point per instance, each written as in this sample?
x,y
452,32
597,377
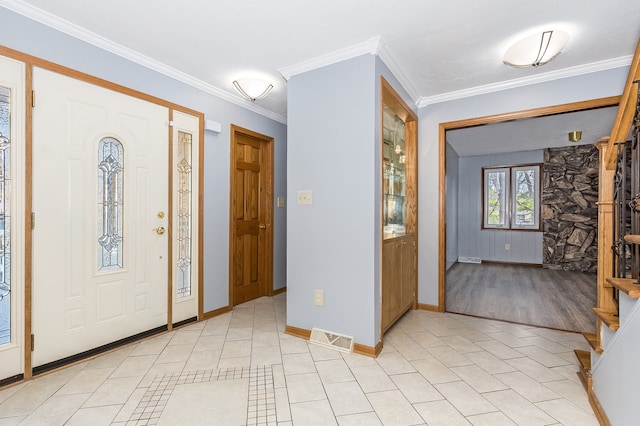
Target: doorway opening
x,y
448,217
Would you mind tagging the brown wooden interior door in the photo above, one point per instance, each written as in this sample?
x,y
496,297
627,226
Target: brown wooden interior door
x,y
250,219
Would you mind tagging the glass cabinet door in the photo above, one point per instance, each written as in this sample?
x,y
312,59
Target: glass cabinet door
x,y
394,174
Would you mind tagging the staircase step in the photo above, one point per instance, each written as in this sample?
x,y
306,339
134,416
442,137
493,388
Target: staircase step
x,y
633,239
584,359
610,318
629,286
592,338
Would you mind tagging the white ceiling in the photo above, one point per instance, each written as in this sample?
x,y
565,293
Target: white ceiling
x,y
438,50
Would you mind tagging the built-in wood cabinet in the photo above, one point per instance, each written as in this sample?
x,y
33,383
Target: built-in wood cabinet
x,y
398,278
399,140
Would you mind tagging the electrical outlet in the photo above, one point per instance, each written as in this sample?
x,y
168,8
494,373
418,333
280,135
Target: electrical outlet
x,y
507,246
318,297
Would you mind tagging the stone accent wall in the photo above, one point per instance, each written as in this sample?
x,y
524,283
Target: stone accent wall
x,y
569,209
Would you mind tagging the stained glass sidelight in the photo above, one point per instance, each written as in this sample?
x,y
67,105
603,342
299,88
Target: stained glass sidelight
x,y
5,215
110,204
183,279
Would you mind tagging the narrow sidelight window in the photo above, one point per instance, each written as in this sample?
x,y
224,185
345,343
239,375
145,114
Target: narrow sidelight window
x,y
5,215
184,167
110,204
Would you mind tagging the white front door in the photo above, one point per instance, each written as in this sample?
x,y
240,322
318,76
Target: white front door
x,y
12,166
100,198
185,138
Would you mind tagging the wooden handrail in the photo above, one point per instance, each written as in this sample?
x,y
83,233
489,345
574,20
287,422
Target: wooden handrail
x,y
626,110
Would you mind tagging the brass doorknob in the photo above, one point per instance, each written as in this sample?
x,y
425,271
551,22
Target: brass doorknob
x,y
159,230
263,226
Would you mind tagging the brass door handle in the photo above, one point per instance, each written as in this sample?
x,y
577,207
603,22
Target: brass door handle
x,y
263,226
159,230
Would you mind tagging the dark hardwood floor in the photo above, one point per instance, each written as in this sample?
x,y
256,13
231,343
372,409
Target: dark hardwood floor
x,y
523,294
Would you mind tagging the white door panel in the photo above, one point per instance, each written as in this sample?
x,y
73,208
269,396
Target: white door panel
x,y
78,302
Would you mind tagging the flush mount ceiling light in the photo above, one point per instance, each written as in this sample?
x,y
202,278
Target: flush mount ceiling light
x,y
536,50
252,88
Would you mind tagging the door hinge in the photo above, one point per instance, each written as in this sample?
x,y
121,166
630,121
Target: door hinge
x,y
33,98
33,342
33,220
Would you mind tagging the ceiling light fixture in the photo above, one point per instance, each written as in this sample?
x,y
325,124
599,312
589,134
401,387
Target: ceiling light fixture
x,y
575,136
252,88
536,50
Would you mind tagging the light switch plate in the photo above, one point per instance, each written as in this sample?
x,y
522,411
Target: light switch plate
x,y
318,297
305,197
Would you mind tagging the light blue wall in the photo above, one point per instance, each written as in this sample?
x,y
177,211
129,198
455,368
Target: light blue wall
x,y
574,89
29,37
615,376
334,244
332,151
526,247
451,189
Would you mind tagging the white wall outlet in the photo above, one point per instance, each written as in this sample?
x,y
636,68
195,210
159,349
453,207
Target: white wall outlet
x,y
507,246
280,202
318,297
305,197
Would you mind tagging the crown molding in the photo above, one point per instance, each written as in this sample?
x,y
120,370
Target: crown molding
x,y
608,64
370,46
385,55
373,46
94,39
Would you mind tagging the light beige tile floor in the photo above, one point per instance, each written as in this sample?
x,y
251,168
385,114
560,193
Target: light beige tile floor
x,y
241,369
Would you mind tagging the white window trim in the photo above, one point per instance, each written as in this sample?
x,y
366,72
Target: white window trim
x,y
505,210
536,199
510,206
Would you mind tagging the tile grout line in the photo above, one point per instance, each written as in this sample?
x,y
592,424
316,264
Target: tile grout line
x,y
261,406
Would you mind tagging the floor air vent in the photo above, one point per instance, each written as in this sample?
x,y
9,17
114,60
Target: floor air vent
x,y
469,260
328,339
